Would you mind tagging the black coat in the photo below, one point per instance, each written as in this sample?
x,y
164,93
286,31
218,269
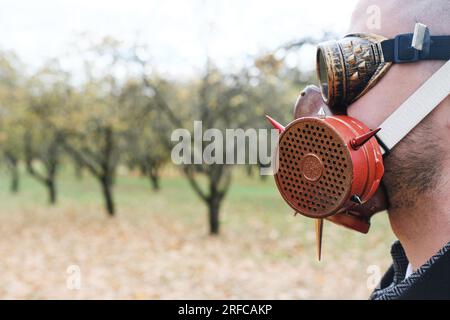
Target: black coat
x,y
433,283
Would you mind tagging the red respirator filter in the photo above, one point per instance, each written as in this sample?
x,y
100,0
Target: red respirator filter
x,y
327,165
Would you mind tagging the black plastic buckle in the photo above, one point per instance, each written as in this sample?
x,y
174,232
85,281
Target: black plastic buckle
x,y
397,48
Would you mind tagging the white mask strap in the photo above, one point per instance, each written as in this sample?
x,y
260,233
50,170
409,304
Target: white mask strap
x,y
415,108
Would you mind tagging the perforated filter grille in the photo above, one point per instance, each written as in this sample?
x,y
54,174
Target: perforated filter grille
x,y
315,168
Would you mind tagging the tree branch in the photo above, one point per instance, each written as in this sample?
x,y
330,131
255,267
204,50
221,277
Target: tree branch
x,y
80,158
194,184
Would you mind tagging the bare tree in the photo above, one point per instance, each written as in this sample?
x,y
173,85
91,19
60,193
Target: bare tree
x,y
12,162
48,92
213,102
100,160
48,155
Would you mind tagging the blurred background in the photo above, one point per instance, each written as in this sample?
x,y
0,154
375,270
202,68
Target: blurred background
x,y
92,206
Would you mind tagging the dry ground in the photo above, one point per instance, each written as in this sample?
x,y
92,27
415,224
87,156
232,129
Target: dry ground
x,y
157,247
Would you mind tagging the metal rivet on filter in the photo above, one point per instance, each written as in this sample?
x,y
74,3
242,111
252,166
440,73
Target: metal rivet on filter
x,y
312,167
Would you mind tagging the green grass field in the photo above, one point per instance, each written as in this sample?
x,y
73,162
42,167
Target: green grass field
x,y
158,245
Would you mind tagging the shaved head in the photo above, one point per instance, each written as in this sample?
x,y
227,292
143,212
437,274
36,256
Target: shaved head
x,y
399,16
419,164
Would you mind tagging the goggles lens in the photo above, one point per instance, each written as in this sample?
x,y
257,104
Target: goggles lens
x,y
322,74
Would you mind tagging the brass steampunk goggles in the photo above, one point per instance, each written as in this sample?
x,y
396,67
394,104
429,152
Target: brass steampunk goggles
x,y
349,67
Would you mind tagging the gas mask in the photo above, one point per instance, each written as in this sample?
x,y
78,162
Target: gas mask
x,y
330,165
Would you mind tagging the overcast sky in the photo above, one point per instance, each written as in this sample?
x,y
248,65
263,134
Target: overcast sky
x,y
178,32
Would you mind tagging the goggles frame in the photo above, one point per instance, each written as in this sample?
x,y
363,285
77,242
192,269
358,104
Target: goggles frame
x,y
354,64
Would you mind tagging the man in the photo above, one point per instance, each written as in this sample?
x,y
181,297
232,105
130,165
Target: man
x,y
416,184
417,172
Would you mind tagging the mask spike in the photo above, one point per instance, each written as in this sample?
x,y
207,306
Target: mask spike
x,y
275,124
319,232
358,142
321,114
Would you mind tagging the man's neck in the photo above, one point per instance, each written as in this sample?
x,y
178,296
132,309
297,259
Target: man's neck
x,y
424,228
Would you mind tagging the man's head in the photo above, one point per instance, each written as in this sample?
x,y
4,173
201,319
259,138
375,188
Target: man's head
x,y
417,164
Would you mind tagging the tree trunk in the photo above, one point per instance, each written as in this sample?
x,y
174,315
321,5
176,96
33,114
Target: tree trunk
x,y
143,170
52,168
108,196
14,188
78,171
51,187
13,165
108,173
249,170
15,182
154,179
213,210
155,182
